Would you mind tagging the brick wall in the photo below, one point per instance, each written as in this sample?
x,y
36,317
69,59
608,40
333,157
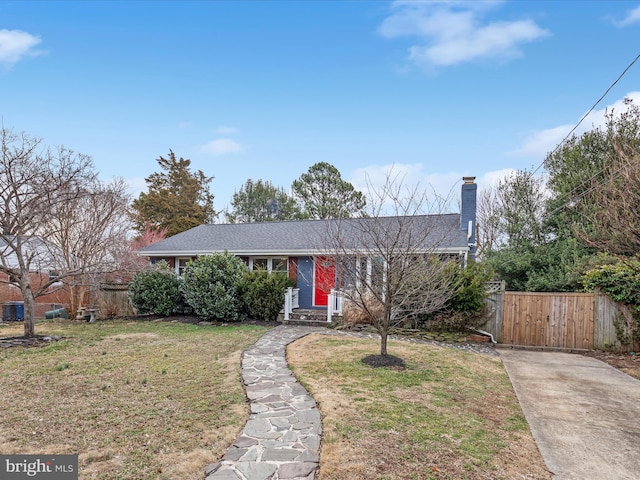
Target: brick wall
x,y
44,303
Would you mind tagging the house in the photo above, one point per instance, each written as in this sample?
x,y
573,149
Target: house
x,y
41,271
295,247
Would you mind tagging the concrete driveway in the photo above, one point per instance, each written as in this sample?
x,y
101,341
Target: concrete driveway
x,y
584,414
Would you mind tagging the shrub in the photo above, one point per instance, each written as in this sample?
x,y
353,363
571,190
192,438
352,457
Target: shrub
x,y
356,314
155,290
470,289
467,304
210,286
262,294
621,282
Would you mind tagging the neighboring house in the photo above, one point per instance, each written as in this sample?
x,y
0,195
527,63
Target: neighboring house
x,y
42,270
295,247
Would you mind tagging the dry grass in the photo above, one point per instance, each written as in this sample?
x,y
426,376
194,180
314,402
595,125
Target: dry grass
x,y
448,415
135,400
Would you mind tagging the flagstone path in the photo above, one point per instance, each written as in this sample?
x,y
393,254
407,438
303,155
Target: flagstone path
x,y
281,440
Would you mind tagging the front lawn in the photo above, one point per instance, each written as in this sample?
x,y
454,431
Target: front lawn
x,y
449,415
143,400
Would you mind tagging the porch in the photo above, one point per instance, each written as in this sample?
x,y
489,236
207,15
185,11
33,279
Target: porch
x,y
292,314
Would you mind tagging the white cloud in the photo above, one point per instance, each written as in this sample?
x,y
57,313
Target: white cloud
x,y
452,32
539,144
15,44
445,186
441,188
632,17
222,146
224,130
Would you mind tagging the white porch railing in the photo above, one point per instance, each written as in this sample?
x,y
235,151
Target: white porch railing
x,y
291,301
334,305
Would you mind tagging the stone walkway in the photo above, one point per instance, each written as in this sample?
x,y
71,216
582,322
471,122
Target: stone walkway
x,y
281,439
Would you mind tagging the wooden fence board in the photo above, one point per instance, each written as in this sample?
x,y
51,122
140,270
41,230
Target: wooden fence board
x,y
560,320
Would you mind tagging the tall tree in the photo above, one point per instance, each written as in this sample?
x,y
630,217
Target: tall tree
x,y
392,267
261,201
521,207
177,198
595,180
55,216
324,194
90,232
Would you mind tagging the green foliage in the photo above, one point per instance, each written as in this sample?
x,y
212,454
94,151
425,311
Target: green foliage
x,y
210,286
521,209
261,201
325,194
467,302
177,199
155,290
554,266
620,281
262,294
470,287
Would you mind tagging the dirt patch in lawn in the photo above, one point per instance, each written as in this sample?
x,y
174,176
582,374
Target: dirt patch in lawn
x,y
448,414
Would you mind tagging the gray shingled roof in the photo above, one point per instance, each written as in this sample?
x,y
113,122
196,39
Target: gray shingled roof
x,y
298,237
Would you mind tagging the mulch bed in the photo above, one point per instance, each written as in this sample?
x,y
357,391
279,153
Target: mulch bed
x,y
389,361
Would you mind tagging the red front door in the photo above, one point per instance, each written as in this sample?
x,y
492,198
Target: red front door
x,y
323,280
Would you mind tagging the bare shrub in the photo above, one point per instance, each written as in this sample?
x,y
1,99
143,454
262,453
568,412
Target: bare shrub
x,y
362,313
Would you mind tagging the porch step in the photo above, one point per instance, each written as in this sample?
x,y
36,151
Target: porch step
x,y
305,323
308,318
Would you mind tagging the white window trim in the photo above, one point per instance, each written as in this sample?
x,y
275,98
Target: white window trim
x,y
177,264
270,263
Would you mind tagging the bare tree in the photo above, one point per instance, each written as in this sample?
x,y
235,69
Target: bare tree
x,y
488,221
89,232
395,268
55,216
609,207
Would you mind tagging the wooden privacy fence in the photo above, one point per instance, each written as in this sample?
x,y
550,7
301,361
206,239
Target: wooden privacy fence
x,y
558,320
113,300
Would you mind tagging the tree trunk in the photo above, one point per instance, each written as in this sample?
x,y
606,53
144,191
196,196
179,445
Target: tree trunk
x,y
383,342
29,311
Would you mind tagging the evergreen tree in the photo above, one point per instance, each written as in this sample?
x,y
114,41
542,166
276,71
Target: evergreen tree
x,y
177,198
261,201
324,194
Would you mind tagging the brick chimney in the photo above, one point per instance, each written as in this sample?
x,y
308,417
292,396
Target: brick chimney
x,y
468,212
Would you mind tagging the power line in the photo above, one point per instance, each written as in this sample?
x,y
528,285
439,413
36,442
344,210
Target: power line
x,y
589,111
572,197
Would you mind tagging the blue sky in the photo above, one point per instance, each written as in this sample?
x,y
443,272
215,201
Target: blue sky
x,y
264,89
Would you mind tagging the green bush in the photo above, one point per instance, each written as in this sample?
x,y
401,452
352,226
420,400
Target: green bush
x,y
470,289
621,282
210,286
262,294
156,290
467,303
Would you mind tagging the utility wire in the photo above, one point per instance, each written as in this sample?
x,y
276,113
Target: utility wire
x,y
588,112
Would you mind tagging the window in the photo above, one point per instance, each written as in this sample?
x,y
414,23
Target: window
x,y
270,264
260,264
181,264
279,265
